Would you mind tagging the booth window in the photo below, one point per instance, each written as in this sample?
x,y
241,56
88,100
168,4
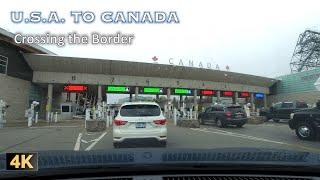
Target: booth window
x,y
3,64
65,109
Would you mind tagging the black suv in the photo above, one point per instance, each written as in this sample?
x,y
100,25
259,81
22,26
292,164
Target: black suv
x,y
224,115
306,123
282,110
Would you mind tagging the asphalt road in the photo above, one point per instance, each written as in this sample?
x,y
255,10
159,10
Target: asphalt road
x,y
74,137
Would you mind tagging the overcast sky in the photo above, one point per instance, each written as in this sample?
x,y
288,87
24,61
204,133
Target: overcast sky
x,y
254,37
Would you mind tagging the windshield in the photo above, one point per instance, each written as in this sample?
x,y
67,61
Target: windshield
x,y
140,110
86,76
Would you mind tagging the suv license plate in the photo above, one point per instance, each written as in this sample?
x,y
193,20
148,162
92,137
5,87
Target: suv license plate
x,y
140,125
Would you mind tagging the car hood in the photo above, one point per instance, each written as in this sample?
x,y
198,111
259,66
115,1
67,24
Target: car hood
x,y
160,156
307,110
119,161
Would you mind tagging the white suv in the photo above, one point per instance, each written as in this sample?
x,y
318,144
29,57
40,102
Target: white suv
x,y
139,121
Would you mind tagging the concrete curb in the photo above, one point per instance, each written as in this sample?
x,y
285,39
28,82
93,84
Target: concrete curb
x,y
190,123
256,120
95,125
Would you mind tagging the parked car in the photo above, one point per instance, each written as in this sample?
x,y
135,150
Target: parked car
x,y
306,123
139,121
224,115
282,110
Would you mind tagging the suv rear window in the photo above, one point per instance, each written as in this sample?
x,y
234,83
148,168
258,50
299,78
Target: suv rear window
x,y
140,110
218,108
234,109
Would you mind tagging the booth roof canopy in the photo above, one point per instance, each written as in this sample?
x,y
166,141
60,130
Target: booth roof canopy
x,y
51,63
8,37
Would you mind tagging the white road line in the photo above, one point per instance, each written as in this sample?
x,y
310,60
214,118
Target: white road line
x,y
41,127
95,142
84,141
227,133
269,125
77,145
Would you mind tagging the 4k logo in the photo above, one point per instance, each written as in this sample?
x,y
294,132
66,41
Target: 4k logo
x,y
22,161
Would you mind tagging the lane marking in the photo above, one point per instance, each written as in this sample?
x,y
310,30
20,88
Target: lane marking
x,y
88,141
77,145
43,127
90,134
228,133
255,125
95,142
269,125
84,141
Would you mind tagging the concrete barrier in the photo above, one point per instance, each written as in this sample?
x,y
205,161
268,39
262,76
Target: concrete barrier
x,y
190,123
95,125
256,119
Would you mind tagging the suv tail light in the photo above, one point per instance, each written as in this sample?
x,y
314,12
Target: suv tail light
x,y
228,114
119,122
160,122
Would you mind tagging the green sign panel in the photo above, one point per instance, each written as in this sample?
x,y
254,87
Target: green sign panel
x,y
182,91
117,89
153,90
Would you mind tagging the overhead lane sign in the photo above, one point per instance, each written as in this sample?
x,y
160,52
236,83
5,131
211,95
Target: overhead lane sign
x,y
153,90
227,93
244,94
259,95
118,89
75,88
207,92
182,91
